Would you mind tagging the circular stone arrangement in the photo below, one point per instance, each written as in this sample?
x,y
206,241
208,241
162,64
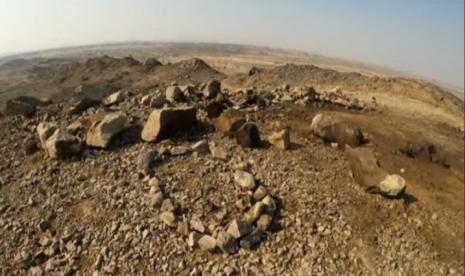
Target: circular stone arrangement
x,y
244,232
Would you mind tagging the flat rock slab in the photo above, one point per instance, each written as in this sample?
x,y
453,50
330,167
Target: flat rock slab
x,y
229,121
102,132
165,122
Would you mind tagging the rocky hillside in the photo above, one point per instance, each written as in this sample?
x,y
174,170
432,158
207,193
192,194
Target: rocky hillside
x,y
144,168
300,75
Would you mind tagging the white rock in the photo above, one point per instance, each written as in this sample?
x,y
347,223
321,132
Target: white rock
x,y
244,179
392,185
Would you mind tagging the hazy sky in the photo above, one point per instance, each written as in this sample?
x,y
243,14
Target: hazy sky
x,y
424,37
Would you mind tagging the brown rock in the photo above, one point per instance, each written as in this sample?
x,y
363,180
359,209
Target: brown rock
x,y
61,144
248,136
229,121
212,89
331,130
168,121
102,132
280,139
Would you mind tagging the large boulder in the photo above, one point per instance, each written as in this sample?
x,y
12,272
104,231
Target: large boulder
x,y
151,63
248,136
331,130
229,121
167,121
365,167
62,144
85,96
214,108
174,94
102,132
211,89
369,174
18,106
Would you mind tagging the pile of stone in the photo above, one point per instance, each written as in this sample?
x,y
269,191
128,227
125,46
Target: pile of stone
x,y
245,232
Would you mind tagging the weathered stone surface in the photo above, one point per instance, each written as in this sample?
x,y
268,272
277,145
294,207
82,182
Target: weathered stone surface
x,y
168,121
168,218
331,130
61,144
260,193
44,131
255,212
174,94
280,139
248,136
102,132
211,89
151,63
252,239
214,108
365,167
218,152
114,98
227,243
146,160
239,228
207,243
19,106
85,96
393,185
244,180
264,222
229,121
201,147
193,239
270,204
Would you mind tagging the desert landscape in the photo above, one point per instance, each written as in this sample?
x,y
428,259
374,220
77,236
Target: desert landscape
x,y
215,159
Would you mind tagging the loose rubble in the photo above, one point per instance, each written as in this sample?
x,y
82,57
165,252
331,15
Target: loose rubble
x,y
205,195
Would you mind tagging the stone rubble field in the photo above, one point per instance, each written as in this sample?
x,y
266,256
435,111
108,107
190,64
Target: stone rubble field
x,y
200,180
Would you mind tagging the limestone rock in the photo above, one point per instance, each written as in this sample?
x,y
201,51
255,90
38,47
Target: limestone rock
x,y
280,139
102,132
207,243
393,185
264,222
17,107
212,89
244,180
61,144
218,152
145,161
239,228
168,121
44,131
331,130
193,239
248,136
227,243
85,96
365,168
174,94
201,147
260,193
255,212
114,98
229,121
252,239
168,218
214,108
